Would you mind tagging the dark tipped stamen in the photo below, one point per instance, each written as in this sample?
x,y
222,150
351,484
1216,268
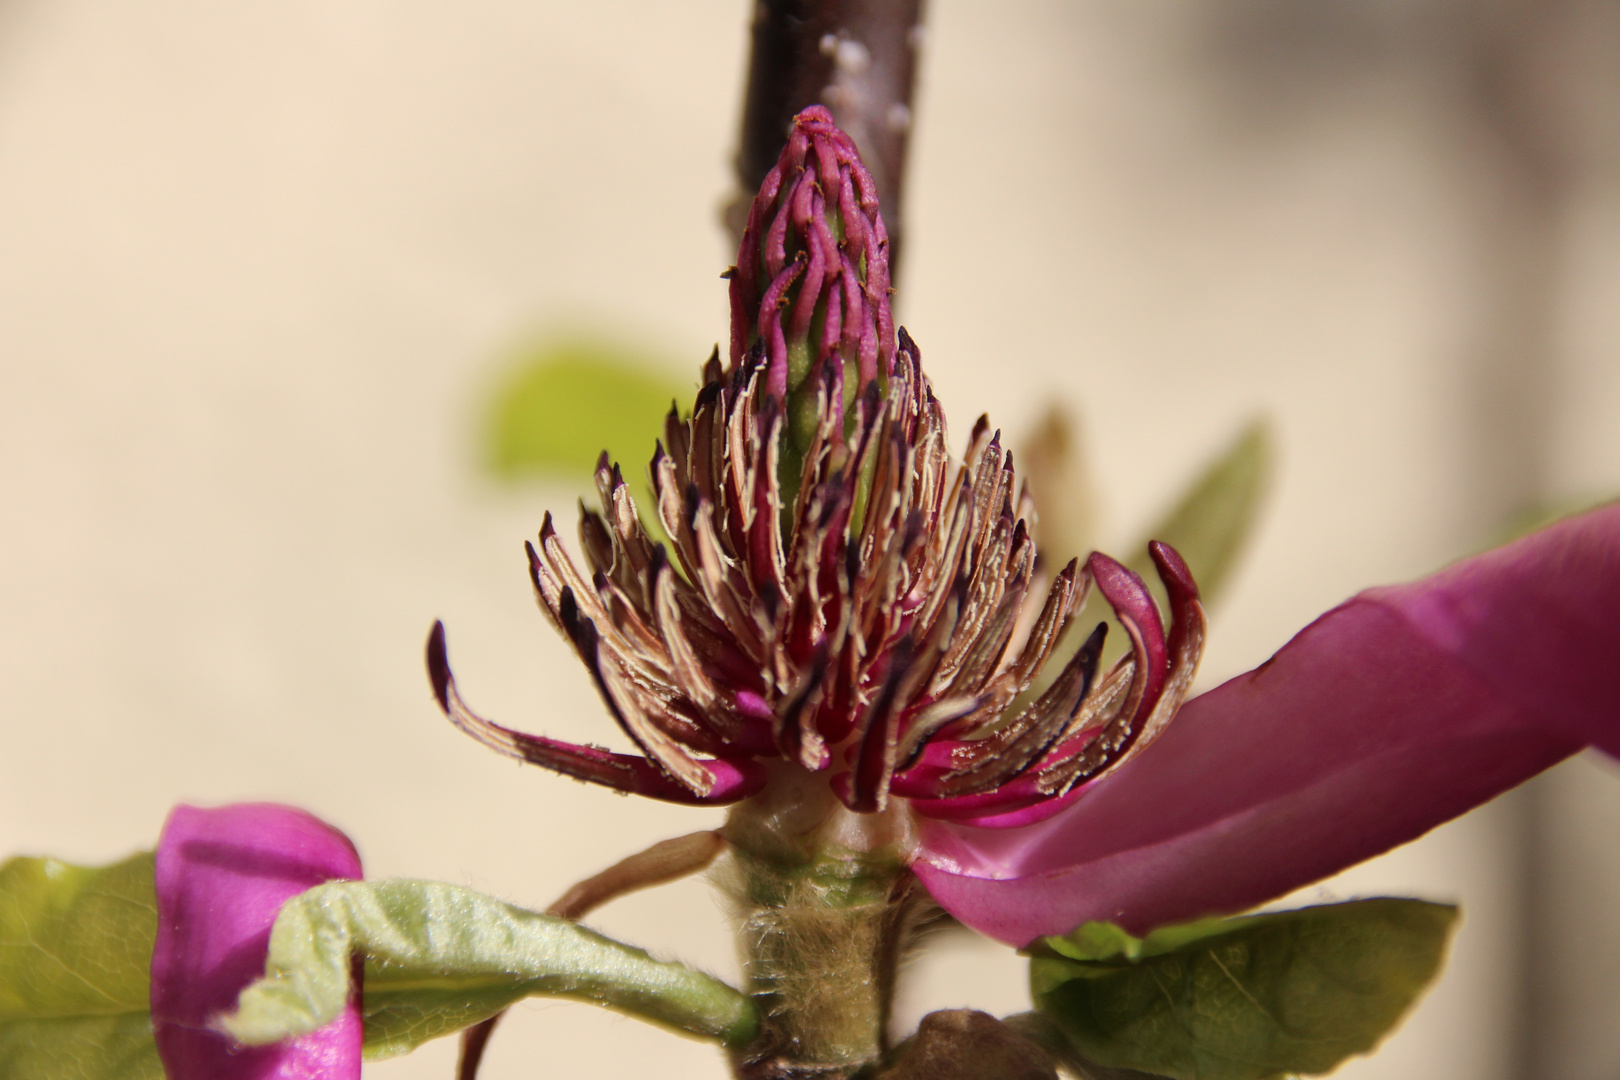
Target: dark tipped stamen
x,y
438,665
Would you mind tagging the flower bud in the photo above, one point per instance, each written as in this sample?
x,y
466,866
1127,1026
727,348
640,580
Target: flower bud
x,y
812,277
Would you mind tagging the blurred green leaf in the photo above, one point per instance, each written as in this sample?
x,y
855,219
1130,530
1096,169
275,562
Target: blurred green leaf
x,y
1245,998
1212,520
568,401
1539,517
1209,525
1053,462
75,964
440,958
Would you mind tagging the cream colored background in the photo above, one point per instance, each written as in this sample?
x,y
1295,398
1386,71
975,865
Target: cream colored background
x,y
258,262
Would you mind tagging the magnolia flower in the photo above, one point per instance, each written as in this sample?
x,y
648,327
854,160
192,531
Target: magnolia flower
x,y
843,604
222,876
842,596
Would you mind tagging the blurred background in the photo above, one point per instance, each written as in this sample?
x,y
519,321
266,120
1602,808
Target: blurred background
x,y
262,265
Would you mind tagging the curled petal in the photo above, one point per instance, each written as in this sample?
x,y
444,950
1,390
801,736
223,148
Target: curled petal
x,y
731,779
1133,606
222,876
1389,715
1185,648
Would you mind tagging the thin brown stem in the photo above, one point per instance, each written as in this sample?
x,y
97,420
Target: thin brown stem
x,y
666,861
858,58
473,1042
660,864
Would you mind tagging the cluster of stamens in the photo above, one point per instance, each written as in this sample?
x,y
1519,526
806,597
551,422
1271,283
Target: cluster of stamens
x,y
846,596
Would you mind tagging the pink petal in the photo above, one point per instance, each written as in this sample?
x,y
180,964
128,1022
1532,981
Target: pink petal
x,y
222,876
1133,606
1387,716
1536,622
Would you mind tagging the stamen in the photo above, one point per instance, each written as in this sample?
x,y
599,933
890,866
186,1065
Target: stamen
x,y
730,780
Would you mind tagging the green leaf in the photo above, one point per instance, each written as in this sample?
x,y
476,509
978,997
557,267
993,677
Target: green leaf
x,y
76,955
1208,525
1541,515
1212,520
1246,998
440,958
1052,461
569,401
75,963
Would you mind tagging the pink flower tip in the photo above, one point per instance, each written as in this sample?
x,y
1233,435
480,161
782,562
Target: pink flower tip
x,y
222,876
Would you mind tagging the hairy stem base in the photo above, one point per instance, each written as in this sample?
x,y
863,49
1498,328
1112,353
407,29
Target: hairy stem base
x,y
825,907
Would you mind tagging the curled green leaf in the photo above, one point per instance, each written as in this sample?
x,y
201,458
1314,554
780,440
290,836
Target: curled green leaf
x,y
440,958
1246,998
75,957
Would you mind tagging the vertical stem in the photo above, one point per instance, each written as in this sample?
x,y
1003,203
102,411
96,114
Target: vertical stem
x,y
821,947
858,58
825,906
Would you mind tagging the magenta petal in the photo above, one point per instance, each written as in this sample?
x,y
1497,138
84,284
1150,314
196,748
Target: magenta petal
x,y
1390,714
1133,606
1535,621
222,876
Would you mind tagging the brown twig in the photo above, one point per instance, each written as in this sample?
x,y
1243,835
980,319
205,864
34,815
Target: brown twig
x,y
473,1042
858,58
666,861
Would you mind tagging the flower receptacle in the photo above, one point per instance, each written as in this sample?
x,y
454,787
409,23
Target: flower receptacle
x,y
825,905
